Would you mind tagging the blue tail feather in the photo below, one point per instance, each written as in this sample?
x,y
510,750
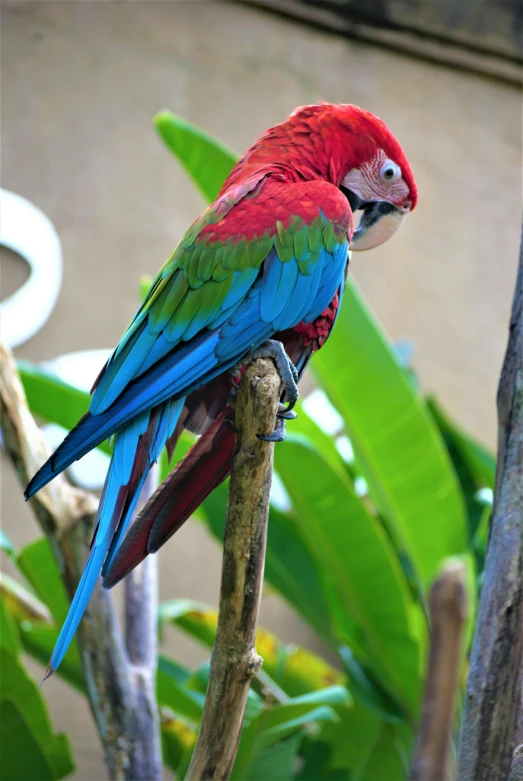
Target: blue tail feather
x,y
132,458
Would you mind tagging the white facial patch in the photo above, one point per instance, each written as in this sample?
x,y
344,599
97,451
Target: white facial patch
x,y
369,183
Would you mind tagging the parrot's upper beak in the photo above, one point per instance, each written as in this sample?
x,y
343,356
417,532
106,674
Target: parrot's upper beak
x,y
380,221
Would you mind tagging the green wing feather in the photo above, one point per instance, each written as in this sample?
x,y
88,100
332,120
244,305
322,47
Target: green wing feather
x,y
201,280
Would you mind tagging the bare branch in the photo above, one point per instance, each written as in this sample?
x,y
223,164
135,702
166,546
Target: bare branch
x,y
141,640
488,732
66,515
447,606
234,659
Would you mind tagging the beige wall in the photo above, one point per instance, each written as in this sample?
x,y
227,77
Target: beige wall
x,y
80,84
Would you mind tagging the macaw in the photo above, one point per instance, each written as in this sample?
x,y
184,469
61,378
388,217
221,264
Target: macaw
x,y
260,272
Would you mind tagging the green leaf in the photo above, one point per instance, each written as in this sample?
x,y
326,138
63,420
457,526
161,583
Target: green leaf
x,y
37,635
178,741
315,758
9,638
287,723
389,760
206,159
174,669
39,641
480,461
196,618
295,670
38,564
354,741
60,754
398,447
273,726
370,602
367,690
309,707
292,571
21,756
475,466
275,763
22,603
52,399
31,712
324,443
181,700
332,695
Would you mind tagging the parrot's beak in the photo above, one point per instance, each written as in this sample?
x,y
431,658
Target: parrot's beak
x,y
379,222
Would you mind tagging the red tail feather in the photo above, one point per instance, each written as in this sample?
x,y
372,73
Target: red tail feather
x,y
204,467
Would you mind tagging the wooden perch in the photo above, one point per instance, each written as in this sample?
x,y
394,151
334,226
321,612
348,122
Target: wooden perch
x,y
66,515
234,659
489,728
448,609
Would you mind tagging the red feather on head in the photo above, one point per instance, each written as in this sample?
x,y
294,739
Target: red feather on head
x,y
322,141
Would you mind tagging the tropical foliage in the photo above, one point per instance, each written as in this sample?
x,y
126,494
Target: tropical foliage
x,y
376,488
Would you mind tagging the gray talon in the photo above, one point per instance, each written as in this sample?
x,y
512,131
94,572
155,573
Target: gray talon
x,y
286,414
289,377
278,435
288,372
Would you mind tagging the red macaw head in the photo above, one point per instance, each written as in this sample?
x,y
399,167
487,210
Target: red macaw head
x,y
362,157
348,147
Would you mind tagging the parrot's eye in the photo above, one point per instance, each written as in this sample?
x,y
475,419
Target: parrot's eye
x,y
390,172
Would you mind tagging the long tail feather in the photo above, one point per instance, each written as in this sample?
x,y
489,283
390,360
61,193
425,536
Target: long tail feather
x,y
137,446
204,467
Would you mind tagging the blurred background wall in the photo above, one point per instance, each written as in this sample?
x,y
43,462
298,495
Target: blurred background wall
x,y
81,82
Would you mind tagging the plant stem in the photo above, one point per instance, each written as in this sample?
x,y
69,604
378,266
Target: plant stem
x,y
234,659
66,515
447,607
488,732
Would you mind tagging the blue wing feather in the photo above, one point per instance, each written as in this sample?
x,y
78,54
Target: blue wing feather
x,y
208,354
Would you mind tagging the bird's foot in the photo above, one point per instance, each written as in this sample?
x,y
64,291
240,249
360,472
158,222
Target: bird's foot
x,y
279,433
289,377
286,369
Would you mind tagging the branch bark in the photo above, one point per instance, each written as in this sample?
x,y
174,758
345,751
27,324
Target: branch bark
x,y
234,659
141,642
448,609
66,516
488,732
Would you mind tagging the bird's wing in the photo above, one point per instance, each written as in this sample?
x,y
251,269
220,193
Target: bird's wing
x,y
254,264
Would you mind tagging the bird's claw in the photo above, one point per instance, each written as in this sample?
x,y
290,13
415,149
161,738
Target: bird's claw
x,y
289,377
285,413
279,433
286,369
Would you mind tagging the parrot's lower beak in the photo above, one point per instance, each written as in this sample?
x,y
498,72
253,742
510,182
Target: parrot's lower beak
x,y
379,222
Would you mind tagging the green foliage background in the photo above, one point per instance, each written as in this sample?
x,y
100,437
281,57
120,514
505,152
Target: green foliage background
x,y
360,540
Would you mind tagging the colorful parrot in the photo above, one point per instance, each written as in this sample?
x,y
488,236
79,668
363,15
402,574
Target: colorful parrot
x,y
260,273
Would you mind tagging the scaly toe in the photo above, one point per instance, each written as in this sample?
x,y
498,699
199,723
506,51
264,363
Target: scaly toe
x,y
278,435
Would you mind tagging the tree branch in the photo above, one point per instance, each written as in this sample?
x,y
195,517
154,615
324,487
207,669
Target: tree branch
x,y
234,659
488,732
447,607
141,641
66,515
